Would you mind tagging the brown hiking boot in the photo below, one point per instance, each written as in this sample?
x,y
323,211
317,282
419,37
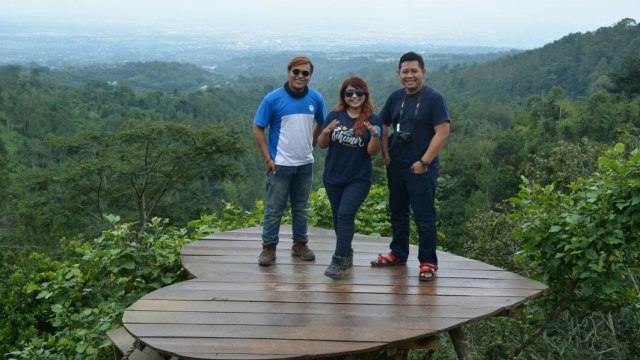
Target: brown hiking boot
x,y
268,255
301,250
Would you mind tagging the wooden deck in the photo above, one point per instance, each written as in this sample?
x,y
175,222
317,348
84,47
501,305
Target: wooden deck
x,y
235,309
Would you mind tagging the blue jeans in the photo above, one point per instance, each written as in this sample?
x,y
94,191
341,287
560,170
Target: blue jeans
x,y
287,183
345,201
418,191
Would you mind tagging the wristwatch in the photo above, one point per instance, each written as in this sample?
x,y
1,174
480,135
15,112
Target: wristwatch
x,y
425,164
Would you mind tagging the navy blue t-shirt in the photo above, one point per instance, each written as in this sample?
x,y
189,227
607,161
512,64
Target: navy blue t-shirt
x,y
347,159
433,111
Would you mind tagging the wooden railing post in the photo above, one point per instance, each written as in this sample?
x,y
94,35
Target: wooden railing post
x,y
457,338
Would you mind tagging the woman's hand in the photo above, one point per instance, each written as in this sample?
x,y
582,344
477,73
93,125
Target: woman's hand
x,y
373,130
332,125
323,139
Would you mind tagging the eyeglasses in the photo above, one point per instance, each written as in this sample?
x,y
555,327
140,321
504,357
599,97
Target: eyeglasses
x,y
297,72
357,92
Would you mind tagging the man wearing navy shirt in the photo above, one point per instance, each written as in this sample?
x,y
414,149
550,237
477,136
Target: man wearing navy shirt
x,y
294,115
420,121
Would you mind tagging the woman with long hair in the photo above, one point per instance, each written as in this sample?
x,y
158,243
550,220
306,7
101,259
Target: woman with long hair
x,y
352,134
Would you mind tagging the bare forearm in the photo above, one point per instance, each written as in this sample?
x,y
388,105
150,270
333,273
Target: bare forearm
x,y
258,134
323,138
317,129
385,145
374,146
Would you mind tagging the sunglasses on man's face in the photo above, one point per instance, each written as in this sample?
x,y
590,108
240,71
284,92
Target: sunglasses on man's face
x,y
358,92
297,72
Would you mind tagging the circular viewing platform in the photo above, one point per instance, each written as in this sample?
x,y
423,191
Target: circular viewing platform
x,y
235,309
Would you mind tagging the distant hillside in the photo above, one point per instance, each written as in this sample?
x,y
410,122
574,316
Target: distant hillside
x,y
267,69
577,62
155,75
339,63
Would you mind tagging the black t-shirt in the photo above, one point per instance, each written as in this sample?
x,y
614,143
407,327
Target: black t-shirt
x,y
432,111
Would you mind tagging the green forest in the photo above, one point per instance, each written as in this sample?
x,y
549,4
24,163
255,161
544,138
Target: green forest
x,y
107,171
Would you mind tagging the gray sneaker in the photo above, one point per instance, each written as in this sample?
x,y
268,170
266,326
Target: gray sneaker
x,y
338,265
301,250
268,255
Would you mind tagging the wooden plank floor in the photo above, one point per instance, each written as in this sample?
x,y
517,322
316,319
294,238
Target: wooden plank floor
x,y
235,309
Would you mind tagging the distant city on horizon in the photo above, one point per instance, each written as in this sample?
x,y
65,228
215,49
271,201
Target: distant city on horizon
x,y
60,46
56,45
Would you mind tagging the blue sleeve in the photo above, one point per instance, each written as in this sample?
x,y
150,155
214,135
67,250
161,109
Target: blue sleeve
x,y
321,112
263,114
377,122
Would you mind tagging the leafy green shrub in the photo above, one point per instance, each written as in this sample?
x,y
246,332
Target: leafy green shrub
x,y
373,217
86,295
320,210
233,217
586,244
490,239
564,163
24,315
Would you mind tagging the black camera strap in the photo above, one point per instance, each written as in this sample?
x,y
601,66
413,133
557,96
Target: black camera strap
x,y
415,113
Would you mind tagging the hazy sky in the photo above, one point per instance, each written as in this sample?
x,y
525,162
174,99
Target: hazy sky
x,y
511,23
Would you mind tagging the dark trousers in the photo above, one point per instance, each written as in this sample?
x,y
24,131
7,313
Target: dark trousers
x,y
418,191
345,201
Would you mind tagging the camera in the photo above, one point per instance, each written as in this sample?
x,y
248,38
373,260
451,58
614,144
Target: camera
x,y
403,137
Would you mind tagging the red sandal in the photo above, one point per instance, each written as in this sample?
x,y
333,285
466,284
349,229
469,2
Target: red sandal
x,y
387,260
427,271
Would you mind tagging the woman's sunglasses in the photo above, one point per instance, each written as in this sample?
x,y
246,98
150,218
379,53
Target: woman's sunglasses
x,y
297,72
358,92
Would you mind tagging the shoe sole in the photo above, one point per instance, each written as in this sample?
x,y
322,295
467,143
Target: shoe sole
x,y
302,258
269,263
426,279
333,276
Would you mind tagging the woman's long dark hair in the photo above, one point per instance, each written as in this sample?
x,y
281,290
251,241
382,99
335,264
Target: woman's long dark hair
x,y
367,107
